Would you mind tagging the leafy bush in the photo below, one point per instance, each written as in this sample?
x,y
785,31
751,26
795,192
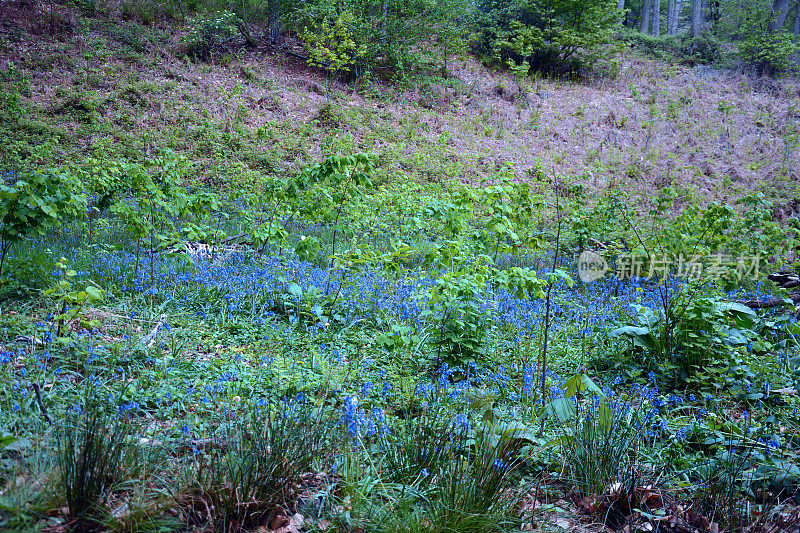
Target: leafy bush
x,y
390,38
331,45
770,53
35,204
211,34
661,47
705,48
131,35
554,38
699,330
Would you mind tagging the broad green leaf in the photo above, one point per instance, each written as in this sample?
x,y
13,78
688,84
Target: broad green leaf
x,y
561,408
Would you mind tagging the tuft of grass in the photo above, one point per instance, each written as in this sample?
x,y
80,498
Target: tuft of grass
x,y
251,476
471,492
94,457
601,448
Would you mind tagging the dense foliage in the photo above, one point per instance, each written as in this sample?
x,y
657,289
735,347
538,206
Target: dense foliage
x,y
549,37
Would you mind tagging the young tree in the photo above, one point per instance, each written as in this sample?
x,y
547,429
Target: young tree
x,y
449,31
35,204
551,36
796,25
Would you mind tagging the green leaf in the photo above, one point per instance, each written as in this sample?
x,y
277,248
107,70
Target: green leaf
x,y
295,290
561,408
604,415
94,294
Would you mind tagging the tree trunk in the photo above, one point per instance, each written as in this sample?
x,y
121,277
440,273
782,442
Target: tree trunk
x,y
780,9
672,6
274,22
655,28
704,18
796,26
646,7
697,17
621,7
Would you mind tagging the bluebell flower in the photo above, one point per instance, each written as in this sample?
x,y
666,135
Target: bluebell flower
x,y
366,388
350,415
461,422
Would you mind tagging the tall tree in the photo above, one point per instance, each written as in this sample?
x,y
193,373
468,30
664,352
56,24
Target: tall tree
x,y
655,28
672,19
647,6
780,9
621,7
698,17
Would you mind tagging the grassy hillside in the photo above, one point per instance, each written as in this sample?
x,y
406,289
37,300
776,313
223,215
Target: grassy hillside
x,y
119,89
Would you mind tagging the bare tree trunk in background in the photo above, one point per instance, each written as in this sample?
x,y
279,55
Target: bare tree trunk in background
x,y
796,25
274,24
780,8
621,6
697,17
655,28
646,7
671,19
704,19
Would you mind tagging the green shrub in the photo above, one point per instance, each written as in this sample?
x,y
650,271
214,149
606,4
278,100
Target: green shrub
x,y
703,49
390,39
560,37
131,35
661,47
211,34
769,53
